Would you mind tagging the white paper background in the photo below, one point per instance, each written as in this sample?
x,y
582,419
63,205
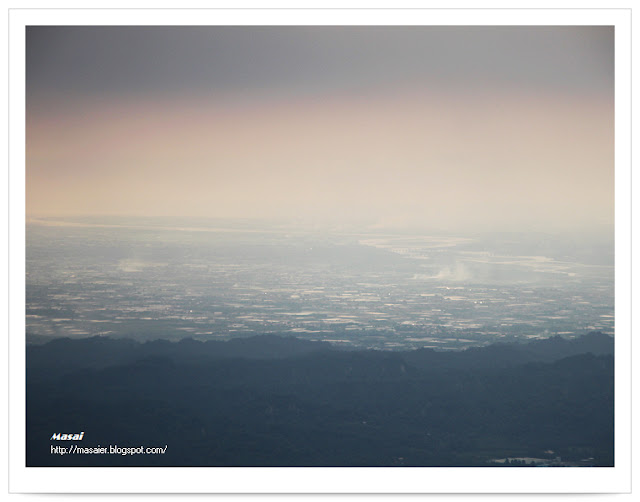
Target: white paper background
x,y
309,480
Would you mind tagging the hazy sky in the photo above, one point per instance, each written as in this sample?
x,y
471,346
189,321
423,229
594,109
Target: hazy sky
x,y
444,127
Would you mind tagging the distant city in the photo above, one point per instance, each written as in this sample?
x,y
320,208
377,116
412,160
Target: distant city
x,y
147,279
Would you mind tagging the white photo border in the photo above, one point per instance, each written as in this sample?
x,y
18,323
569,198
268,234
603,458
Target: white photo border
x,y
319,480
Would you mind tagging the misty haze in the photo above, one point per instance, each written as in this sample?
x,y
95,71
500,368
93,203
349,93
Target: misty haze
x,y
320,246
151,278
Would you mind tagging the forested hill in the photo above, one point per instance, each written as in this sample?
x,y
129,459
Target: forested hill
x,y
66,354
271,401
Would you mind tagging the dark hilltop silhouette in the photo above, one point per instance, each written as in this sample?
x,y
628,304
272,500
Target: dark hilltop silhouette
x,y
276,401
